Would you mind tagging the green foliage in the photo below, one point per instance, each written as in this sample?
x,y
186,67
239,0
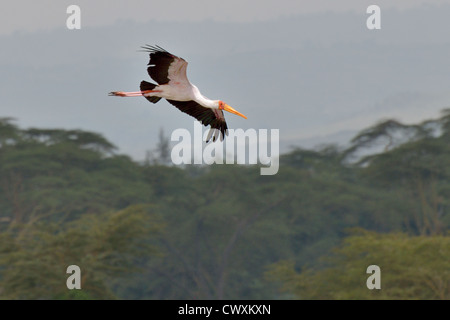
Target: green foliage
x,y
411,268
104,246
154,231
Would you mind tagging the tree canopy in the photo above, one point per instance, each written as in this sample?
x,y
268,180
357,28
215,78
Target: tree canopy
x,y
152,230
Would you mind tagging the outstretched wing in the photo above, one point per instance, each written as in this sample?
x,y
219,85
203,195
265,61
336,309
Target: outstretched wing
x,y
212,117
164,66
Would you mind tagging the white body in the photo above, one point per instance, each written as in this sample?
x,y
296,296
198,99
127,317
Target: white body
x,y
182,91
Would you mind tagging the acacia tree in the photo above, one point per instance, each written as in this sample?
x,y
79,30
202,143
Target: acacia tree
x,y
61,174
106,247
220,230
416,170
411,268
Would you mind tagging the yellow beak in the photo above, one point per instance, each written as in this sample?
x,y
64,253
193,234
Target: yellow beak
x,y
230,109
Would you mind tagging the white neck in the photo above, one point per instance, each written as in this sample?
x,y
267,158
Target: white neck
x,y
205,102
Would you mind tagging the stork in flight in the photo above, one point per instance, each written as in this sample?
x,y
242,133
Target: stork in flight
x,y
169,71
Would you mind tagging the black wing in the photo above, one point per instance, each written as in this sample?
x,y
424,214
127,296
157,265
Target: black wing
x,y
206,116
160,61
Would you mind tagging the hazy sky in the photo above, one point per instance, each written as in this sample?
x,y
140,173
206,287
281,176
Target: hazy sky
x,y
28,15
309,68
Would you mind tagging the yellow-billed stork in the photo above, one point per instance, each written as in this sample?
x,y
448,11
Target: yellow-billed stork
x,y
169,71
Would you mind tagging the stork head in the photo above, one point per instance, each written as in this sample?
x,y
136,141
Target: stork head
x,y
224,106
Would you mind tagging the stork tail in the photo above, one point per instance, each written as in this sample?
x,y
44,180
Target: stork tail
x,y
149,86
